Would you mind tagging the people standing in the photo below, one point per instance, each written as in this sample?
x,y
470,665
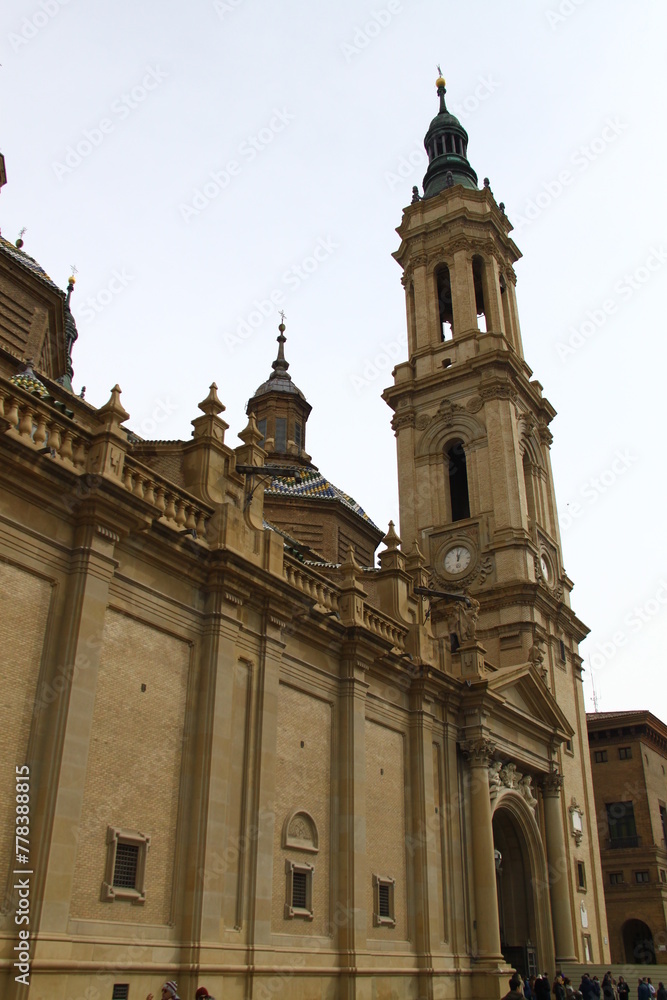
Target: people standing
x,y
516,990
559,987
662,992
169,992
623,989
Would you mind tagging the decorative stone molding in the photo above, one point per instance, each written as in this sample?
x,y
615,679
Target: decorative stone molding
x,y
300,832
422,421
499,389
478,752
505,778
552,784
576,821
401,420
474,404
545,435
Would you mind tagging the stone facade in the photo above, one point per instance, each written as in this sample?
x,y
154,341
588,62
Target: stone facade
x,y
628,764
278,770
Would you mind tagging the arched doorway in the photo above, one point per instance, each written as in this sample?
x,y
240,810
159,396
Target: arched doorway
x,y
522,885
638,943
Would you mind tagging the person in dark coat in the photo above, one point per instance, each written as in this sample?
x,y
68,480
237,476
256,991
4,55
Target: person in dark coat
x,y
559,988
586,987
542,988
516,988
662,992
643,992
623,989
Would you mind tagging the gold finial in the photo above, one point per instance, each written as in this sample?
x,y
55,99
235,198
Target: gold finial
x,y
440,82
74,269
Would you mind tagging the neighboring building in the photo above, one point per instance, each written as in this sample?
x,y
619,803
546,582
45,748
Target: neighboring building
x,y
629,763
256,757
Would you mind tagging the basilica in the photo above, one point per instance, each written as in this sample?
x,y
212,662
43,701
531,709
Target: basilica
x,y
254,741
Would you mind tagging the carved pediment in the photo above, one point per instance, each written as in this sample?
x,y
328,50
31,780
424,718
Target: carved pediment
x,y
521,687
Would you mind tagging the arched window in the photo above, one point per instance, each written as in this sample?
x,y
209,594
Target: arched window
x,y
457,475
444,291
530,491
480,305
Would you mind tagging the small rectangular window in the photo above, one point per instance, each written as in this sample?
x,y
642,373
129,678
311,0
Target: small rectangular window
x,y
281,434
588,948
383,901
126,866
298,436
568,746
561,645
121,991
298,890
624,753
600,756
616,878
663,875
261,427
642,877
581,875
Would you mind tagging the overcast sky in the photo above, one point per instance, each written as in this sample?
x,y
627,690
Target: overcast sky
x,y
205,164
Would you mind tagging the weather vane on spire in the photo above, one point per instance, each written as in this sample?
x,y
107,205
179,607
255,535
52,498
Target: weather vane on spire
x,y
439,70
282,315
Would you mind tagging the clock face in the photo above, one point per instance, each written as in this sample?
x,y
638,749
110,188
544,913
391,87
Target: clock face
x,y
546,569
457,559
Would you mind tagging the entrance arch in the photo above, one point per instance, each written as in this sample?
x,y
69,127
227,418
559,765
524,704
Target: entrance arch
x,y
638,943
523,886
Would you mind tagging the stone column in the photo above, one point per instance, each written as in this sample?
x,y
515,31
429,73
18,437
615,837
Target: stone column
x,y
463,295
478,753
351,908
559,889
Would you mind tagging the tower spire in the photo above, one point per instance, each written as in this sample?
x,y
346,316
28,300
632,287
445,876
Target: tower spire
x,y
446,144
280,365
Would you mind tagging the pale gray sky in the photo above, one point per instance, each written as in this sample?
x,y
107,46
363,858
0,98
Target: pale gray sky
x,y
201,162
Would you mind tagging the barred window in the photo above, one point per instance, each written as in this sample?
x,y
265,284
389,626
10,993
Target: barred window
x,y
121,991
298,890
125,874
125,868
383,901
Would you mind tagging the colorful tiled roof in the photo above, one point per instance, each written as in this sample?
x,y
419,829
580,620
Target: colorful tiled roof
x,y
311,483
27,261
28,380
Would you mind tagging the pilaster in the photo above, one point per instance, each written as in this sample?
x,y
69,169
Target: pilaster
x,y
478,753
559,882
64,770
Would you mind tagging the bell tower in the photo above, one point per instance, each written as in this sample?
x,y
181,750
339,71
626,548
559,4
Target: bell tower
x,y
472,425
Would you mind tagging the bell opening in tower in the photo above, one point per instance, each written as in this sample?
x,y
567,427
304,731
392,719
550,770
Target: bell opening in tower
x,y
477,277
458,482
444,290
